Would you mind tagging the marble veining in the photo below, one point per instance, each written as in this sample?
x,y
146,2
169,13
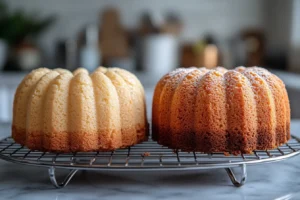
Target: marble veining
x,y
267,181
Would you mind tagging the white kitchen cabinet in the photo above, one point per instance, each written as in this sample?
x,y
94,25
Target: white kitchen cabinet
x,y
8,84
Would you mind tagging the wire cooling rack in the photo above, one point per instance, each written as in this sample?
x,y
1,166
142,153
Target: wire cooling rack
x,y
147,156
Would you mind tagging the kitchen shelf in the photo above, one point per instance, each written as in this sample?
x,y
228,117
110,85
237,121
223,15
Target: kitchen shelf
x,y
147,156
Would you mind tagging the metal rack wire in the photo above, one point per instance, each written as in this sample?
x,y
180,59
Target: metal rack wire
x,y
147,156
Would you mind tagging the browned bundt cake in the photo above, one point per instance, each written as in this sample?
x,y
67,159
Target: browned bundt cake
x,y
219,110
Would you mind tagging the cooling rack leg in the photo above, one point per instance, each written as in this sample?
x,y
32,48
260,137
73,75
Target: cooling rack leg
x,y
233,179
53,180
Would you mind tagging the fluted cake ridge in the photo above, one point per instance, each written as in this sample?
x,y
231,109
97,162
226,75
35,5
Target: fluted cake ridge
x,y
57,110
220,110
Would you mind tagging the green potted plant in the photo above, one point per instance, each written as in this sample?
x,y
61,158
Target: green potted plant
x,y
20,30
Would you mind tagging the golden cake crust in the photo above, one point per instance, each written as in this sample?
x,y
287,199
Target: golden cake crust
x,y
221,110
56,110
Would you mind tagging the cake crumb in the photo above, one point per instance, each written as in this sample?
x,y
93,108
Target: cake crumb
x,y
146,154
226,153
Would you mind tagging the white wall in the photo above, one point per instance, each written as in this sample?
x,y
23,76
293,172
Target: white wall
x,y
220,17
295,38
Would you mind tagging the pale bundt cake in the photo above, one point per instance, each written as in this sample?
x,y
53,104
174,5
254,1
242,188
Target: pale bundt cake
x,y
221,110
56,110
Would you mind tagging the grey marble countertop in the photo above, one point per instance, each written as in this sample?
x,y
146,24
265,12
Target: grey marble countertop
x,y
278,181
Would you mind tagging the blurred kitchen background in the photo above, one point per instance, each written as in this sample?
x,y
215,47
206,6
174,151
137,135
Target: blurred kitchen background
x,y
148,38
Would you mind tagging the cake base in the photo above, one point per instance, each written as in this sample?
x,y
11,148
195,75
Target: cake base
x,y
214,142
65,142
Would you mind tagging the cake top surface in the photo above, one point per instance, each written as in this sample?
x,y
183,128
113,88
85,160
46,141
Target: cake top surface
x,y
221,71
128,77
80,70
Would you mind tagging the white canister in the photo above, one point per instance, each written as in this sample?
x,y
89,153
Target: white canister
x,y
90,53
160,54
